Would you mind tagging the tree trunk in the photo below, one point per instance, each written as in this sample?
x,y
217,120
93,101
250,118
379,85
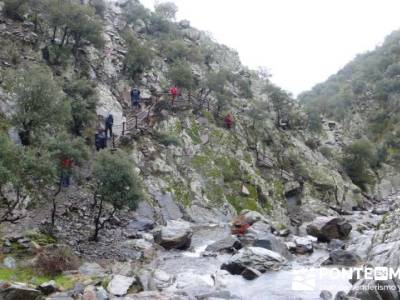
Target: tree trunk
x,y
54,208
53,39
97,222
64,36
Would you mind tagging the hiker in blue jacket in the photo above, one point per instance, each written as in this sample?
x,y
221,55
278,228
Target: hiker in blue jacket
x,y
135,98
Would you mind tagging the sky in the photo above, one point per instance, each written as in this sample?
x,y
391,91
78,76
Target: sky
x,y
301,42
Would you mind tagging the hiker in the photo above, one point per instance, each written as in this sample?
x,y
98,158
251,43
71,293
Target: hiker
x,y
109,125
66,165
135,98
100,140
173,91
239,225
228,121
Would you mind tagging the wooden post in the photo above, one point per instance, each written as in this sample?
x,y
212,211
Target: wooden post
x,y
123,128
136,122
113,141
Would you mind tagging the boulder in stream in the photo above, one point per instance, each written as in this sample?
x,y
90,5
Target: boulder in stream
x,y
343,258
229,244
257,258
328,228
175,235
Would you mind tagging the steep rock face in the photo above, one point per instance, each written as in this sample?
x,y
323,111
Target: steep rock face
x,y
204,174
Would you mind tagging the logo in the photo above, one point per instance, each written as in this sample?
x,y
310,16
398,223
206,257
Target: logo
x,y
304,280
311,279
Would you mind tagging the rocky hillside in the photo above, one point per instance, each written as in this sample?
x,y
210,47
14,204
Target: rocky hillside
x,y
62,74
363,98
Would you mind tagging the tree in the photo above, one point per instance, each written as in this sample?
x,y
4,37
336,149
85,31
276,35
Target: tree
x,y
139,57
61,147
99,6
280,102
75,20
358,158
166,10
83,99
135,11
181,74
83,24
15,9
11,193
39,104
116,183
314,122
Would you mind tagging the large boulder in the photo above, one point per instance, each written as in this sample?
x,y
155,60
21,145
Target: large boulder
x,y
257,258
169,209
18,292
303,245
328,228
108,104
252,217
259,235
343,258
229,244
119,285
175,235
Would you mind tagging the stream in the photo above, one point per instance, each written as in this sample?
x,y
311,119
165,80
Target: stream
x,y
302,277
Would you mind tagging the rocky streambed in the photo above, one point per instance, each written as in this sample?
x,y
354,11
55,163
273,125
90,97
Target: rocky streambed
x,y
269,264
183,260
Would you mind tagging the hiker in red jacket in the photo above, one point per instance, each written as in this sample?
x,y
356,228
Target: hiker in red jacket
x,y
228,121
66,169
173,91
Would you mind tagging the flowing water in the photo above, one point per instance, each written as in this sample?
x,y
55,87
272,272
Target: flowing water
x,y
300,279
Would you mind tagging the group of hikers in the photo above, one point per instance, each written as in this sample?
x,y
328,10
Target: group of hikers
x,y
102,135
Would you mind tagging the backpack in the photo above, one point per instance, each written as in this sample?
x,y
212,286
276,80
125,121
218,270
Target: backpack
x,y
135,93
110,120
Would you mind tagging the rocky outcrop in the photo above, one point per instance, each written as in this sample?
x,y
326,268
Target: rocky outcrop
x,y
257,258
328,228
175,235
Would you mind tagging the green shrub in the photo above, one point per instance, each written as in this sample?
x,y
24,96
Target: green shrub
x,y
168,140
135,11
180,73
39,103
83,98
115,183
326,152
314,123
358,158
99,6
139,57
15,9
178,50
59,56
166,10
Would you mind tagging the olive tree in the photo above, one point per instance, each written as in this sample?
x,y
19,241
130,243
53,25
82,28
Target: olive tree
x,y
181,74
139,57
115,183
358,158
63,146
166,10
39,103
